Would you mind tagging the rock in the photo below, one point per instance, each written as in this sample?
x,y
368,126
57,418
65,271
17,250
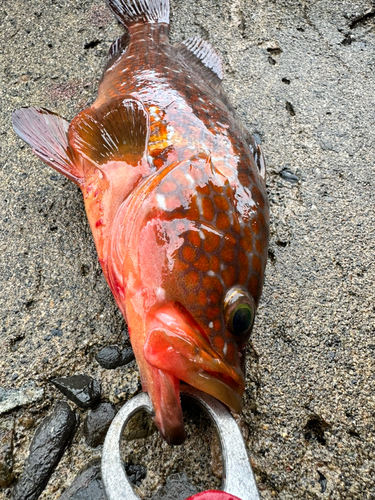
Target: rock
x,y
113,356
47,447
97,422
87,485
83,390
15,398
288,175
177,487
6,454
135,473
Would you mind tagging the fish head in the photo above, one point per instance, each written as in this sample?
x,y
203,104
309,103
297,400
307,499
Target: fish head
x,y
180,343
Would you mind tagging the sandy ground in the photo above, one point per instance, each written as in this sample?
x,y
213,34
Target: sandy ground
x,y
301,75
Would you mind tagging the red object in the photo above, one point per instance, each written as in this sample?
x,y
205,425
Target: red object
x,y
213,495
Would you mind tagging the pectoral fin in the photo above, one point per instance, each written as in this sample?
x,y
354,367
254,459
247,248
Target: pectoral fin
x,y
46,133
117,131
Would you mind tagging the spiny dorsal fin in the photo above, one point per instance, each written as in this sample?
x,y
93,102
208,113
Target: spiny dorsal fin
x,y
46,133
199,51
117,49
117,131
140,11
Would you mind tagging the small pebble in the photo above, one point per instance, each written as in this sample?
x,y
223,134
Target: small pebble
x,y
16,398
96,424
113,356
47,447
83,390
177,487
6,456
27,422
87,485
288,175
135,473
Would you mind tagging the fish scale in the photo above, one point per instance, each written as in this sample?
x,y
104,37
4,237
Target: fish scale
x,y
174,190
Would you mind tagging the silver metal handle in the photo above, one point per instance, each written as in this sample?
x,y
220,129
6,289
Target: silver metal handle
x,y
238,476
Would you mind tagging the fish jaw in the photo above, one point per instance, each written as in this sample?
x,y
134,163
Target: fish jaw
x,y
176,345
162,387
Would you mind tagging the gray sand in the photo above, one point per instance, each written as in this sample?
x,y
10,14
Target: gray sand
x,y
301,75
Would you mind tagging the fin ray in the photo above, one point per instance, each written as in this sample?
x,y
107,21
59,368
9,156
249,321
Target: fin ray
x,y
46,133
201,53
117,131
138,11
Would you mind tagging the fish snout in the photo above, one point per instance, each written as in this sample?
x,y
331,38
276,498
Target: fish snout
x,y
175,345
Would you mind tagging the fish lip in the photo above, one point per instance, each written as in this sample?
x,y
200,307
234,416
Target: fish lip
x,y
176,345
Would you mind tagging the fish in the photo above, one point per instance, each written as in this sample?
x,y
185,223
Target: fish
x,y
174,188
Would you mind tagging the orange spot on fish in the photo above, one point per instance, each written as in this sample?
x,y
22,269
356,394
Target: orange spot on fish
x,y
244,268
203,264
193,212
255,226
258,197
208,209
191,279
215,264
212,312
202,298
204,190
222,221
211,241
258,246
217,325
212,283
194,238
246,244
218,342
214,298
221,203
256,263
229,276
189,253
227,252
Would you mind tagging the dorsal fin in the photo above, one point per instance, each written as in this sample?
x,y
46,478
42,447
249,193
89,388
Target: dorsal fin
x,y
116,50
200,52
140,11
117,131
46,133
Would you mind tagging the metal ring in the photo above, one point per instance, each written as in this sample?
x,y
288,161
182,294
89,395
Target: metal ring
x,y
238,476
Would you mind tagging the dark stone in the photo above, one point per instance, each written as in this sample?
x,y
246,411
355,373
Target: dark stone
x,y
135,473
177,487
97,422
288,175
83,390
6,457
127,356
87,485
113,356
47,447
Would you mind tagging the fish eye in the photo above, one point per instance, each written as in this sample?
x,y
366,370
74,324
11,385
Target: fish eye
x,y
239,311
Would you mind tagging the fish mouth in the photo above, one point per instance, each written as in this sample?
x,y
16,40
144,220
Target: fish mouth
x,y
176,345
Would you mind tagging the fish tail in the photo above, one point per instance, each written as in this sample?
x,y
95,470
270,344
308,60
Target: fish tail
x,y
129,12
